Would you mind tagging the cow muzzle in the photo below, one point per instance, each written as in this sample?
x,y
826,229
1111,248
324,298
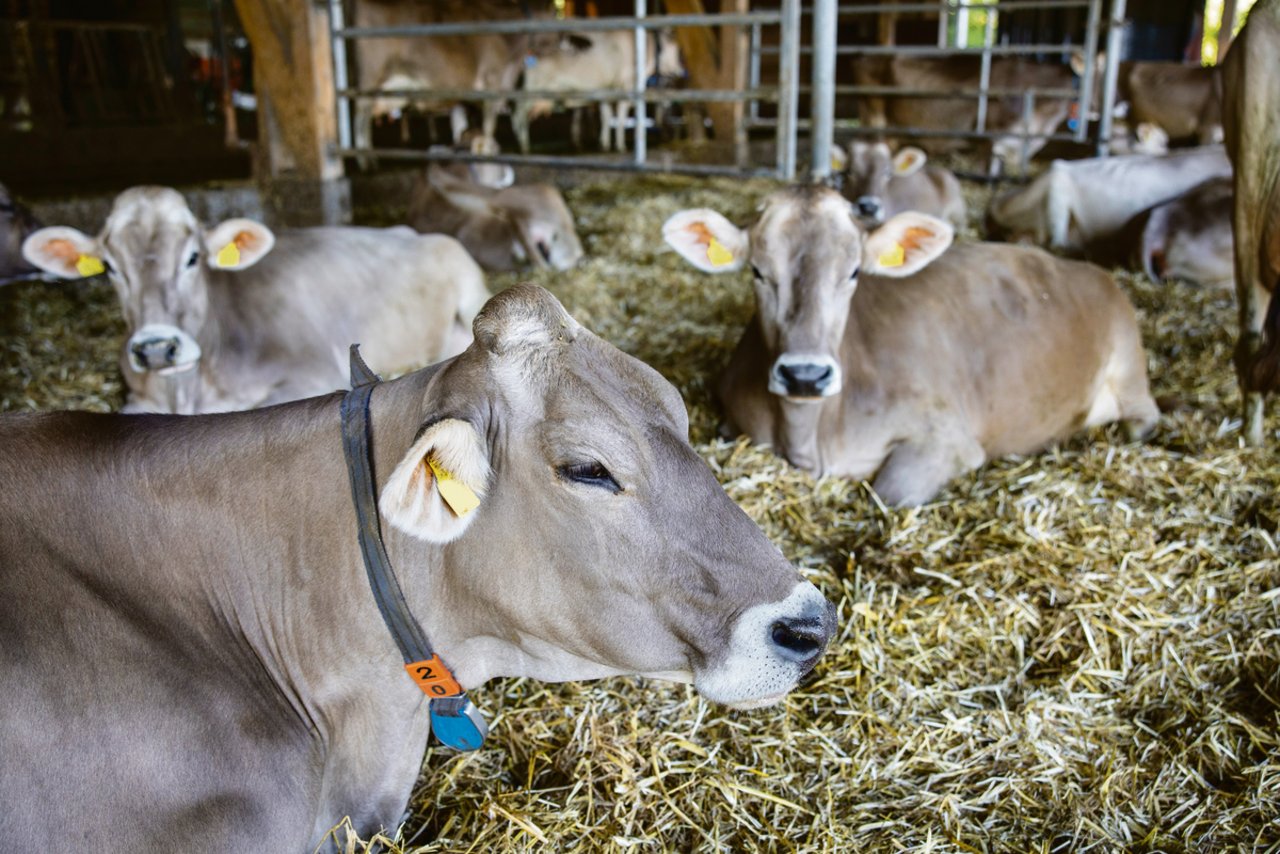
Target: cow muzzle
x,y
804,377
772,647
870,210
162,349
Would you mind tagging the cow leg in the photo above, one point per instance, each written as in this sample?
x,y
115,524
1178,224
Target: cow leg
x,y
364,132
1249,355
520,124
457,122
620,126
489,111
575,126
916,471
606,122
1059,203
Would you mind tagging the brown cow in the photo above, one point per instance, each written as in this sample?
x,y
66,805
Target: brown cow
x,y
882,184
949,74
923,370
1189,238
1251,120
1178,98
504,229
190,653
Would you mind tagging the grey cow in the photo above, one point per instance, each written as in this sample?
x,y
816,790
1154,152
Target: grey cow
x,y
190,654
882,184
234,316
887,355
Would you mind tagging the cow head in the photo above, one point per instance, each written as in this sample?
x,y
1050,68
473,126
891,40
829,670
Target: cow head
x,y
599,543
806,252
157,256
544,225
870,169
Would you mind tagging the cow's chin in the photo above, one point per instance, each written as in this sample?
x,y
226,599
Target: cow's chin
x,y
174,370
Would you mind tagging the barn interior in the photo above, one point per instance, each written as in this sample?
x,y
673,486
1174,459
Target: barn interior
x,y
1074,650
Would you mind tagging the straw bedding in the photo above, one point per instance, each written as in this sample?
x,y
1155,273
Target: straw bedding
x,y
1075,651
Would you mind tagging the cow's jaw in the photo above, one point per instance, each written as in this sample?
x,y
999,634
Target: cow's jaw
x,y
772,646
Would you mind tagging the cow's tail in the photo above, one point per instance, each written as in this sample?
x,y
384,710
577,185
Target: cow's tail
x,y
1264,373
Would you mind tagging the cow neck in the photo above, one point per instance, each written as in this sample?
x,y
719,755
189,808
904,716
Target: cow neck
x,y
454,720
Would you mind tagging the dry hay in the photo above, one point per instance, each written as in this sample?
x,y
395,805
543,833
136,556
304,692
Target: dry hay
x,y
1076,651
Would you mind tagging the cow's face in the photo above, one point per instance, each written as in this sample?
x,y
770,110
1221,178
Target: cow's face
x,y
871,169
806,252
601,543
545,226
157,257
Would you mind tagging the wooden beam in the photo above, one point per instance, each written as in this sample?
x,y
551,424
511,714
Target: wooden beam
x,y
715,63
297,116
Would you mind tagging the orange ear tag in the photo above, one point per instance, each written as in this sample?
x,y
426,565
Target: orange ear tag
x,y
456,494
87,265
717,254
893,257
229,255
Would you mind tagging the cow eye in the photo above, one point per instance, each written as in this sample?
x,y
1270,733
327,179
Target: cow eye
x,y
755,271
854,274
589,474
107,268
193,259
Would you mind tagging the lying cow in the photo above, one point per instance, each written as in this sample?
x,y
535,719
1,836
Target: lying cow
x,y
16,223
503,229
234,316
949,112
189,646
1178,98
1189,237
1077,202
1251,119
926,369
881,184
595,60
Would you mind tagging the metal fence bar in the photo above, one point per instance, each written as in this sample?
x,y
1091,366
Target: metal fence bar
x,y
984,76
641,139
649,95
1002,5
1085,102
597,163
1115,33
339,48
566,25
788,89
753,71
822,102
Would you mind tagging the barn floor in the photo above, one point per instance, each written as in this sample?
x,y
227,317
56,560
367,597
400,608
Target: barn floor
x,y
1076,651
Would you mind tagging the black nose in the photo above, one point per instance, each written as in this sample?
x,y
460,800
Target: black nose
x,y
869,206
544,251
803,639
805,379
154,353
1157,264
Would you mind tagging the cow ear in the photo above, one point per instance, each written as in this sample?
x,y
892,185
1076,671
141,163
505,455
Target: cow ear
x,y
707,240
64,252
839,159
435,490
908,161
237,243
905,244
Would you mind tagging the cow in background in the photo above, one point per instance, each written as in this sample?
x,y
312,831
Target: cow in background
x,y
472,62
1251,121
236,316
1076,203
1179,99
881,184
16,223
949,112
505,229
1189,237
595,60
887,355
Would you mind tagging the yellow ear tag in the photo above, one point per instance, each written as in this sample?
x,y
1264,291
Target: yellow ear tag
x,y
905,164
229,255
87,265
456,494
717,254
893,257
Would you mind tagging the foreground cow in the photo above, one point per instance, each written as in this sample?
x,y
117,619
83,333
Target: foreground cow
x,y
503,229
923,370
1189,238
595,60
1075,203
1251,119
881,184
948,112
234,316
16,223
190,652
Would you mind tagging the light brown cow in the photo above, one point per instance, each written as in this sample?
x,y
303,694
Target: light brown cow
x,y
864,359
486,61
504,229
882,184
1251,119
1178,98
234,316
947,112
189,646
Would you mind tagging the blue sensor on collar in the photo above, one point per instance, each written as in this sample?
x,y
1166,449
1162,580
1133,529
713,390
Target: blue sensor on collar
x,y
457,723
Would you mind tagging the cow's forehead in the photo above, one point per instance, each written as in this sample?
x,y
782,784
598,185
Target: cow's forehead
x,y
809,219
149,212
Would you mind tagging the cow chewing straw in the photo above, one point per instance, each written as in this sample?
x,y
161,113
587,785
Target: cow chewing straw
x,y
1075,651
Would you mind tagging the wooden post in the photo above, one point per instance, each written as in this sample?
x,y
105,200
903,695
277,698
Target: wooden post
x,y
301,177
887,24
715,64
